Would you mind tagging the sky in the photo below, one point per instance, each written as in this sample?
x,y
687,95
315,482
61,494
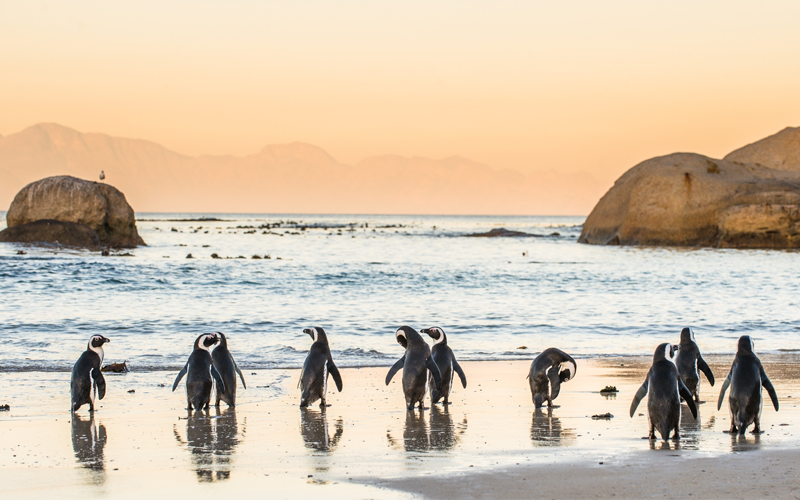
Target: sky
x,y
567,86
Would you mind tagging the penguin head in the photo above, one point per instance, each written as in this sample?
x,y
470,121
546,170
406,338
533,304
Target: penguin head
x,y
406,333
687,335
665,351
205,341
97,341
745,345
223,341
436,333
316,333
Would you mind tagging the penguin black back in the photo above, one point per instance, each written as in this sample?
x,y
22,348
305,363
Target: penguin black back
x,y
665,389
87,379
228,369
445,360
200,373
416,362
318,365
688,360
548,371
746,379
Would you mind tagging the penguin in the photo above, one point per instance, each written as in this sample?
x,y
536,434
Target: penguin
x,y
666,390
87,379
226,366
688,360
546,375
746,378
446,362
416,363
200,369
318,365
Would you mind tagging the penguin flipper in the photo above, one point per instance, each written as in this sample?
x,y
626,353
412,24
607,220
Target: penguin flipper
x,y
236,367
334,372
434,369
701,363
460,372
722,391
640,394
217,379
765,382
394,368
180,376
686,394
100,382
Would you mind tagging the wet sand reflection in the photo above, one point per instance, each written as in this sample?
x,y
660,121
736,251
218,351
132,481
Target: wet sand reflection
x,y
546,430
88,442
212,441
315,431
439,432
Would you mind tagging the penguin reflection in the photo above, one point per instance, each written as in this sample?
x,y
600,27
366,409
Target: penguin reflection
x,y
690,429
443,433
416,434
745,443
546,430
211,440
88,445
315,431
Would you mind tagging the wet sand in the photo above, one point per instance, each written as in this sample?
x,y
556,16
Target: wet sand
x,y
489,443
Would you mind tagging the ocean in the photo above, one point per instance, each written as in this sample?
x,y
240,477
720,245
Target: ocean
x,y
362,276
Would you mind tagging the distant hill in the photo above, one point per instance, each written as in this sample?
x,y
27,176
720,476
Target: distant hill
x,y
285,178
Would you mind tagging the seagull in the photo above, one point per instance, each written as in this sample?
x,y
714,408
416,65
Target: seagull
x,y
102,175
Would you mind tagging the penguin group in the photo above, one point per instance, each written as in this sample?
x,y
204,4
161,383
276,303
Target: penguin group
x,y
430,370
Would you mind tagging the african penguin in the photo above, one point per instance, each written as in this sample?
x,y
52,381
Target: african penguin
x,y
547,373
87,379
416,363
746,378
227,368
318,365
446,362
666,390
200,369
688,361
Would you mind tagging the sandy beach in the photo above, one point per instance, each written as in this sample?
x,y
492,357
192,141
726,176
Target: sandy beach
x,y
489,443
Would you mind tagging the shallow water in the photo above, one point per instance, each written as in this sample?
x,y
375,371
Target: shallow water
x,y
360,277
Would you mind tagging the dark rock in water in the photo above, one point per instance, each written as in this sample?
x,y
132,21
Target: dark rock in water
x,y
105,253
116,367
215,255
20,252
503,233
99,206
190,256
256,256
68,234
5,408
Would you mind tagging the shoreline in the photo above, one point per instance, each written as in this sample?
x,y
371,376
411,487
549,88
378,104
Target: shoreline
x,y
365,445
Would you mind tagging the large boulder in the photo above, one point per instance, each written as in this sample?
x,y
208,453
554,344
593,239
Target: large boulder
x,y
99,206
686,199
780,151
69,234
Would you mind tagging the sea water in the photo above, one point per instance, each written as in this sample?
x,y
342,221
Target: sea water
x,y
360,277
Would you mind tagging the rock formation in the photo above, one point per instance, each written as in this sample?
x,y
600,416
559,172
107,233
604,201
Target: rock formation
x,y
686,199
99,206
68,234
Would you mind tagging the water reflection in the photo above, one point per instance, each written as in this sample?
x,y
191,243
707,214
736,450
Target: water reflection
x,y
690,429
416,434
665,445
546,430
88,443
445,435
212,441
748,442
315,431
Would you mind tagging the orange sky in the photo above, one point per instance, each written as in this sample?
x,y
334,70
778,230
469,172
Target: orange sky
x,y
571,86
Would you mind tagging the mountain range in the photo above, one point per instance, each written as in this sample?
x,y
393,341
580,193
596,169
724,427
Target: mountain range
x,y
286,178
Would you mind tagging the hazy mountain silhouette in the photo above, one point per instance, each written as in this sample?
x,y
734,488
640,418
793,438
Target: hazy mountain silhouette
x,y
285,178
